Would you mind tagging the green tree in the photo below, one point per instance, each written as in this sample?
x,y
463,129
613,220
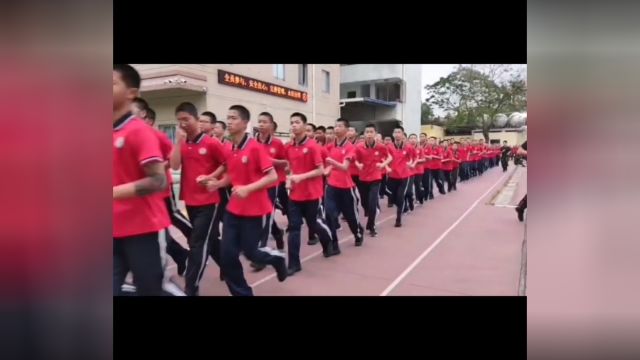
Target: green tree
x,y
427,114
474,95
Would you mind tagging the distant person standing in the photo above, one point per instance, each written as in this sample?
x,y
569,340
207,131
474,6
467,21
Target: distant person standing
x,y
504,159
522,205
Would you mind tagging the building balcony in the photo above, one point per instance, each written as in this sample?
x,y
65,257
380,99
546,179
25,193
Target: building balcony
x,y
370,73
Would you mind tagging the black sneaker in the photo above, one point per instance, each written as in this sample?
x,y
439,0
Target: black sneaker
x,y
389,205
281,268
257,267
398,223
289,272
332,252
373,232
313,240
359,240
520,212
182,264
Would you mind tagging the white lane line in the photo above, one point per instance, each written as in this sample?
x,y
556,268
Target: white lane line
x,y
438,240
317,253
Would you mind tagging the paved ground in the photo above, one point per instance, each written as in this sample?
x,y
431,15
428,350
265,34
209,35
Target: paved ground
x,y
468,242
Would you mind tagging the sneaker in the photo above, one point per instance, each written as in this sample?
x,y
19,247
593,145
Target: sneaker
x,y
182,264
520,212
281,268
257,267
313,240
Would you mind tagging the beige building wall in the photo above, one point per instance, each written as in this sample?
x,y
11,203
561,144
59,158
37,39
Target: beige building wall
x,y
218,97
433,130
512,137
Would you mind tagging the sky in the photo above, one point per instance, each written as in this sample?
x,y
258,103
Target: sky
x,y
432,72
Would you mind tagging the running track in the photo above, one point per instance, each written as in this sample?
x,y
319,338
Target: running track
x,y
456,244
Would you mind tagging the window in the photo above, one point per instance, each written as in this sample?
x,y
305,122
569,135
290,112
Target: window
x,y
170,130
278,71
351,94
388,92
326,83
365,90
302,74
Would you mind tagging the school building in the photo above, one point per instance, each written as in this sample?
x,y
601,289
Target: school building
x,y
281,89
383,94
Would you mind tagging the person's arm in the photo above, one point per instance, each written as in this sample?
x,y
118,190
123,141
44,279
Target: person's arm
x,y
213,184
386,162
243,191
280,163
344,166
413,156
145,146
357,160
214,175
318,171
327,170
210,179
219,155
155,181
175,160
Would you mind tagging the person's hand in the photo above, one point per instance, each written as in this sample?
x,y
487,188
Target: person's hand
x,y
295,179
202,180
332,162
181,135
212,185
240,191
